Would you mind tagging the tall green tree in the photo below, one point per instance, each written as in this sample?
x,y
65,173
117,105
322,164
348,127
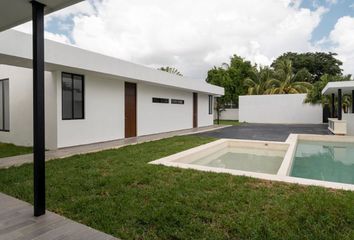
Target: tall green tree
x,y
231,77
171,70
259,81
285,81
318,63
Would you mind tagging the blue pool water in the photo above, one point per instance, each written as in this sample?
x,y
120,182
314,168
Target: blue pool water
x,y
325,161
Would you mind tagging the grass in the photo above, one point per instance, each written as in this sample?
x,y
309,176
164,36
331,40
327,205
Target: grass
x,y
117,192
9,150
227,122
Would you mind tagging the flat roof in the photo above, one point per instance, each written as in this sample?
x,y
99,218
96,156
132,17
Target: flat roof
x,y
16,50
332,87
16,12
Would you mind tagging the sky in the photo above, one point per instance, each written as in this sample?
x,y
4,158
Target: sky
x,y
194,36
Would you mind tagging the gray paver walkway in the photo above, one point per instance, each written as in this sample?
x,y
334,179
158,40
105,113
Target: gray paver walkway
x,y
17,223
96,147
267,132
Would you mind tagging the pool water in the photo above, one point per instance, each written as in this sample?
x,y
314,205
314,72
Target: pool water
x,y
245,159
327,161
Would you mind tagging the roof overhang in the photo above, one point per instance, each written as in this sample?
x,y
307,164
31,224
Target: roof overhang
x,y
16,50
332,87
16,12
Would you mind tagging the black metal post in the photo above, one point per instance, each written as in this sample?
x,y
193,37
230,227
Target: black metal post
x,y
38,109
339,104
333,105
352,101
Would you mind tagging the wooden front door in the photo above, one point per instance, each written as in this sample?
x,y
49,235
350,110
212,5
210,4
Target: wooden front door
x,y
195,110
130,110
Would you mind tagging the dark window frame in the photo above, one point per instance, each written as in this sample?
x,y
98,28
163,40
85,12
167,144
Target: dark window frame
x,y
210,104
2,128
177,101
72,97
160,100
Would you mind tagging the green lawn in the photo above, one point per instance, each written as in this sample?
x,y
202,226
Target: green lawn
x,y
227,122
8,150
117,192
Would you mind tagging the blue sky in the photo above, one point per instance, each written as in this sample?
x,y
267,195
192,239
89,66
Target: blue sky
x,y
336,10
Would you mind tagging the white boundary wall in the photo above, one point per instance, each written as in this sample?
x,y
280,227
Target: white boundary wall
x,y
282,108
349,117
228,114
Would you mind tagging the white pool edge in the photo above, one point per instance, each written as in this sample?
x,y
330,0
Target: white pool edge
x,y
283,172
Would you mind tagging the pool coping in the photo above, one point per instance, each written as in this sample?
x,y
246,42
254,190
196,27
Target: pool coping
x,y
283,172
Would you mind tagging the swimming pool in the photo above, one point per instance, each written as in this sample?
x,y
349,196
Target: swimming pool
x,y
326,161
306,159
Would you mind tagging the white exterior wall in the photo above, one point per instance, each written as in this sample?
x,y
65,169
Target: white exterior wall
x,y
104,113
204,118
21,107
287,108
349,117
161,117
228,114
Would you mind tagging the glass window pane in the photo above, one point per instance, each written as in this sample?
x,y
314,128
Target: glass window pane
x,y
78,97
6,109
67,86
1,107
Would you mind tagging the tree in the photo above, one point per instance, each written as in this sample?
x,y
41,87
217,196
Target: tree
x,y
231,76
286,82
170,70
259,81
318,63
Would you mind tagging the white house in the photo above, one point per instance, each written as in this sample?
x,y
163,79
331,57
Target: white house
x,y
90,97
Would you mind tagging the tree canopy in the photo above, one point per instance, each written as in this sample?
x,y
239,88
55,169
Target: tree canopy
x,y
317,64
231,76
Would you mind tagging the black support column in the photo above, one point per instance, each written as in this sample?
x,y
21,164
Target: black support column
x,y
333,107
352,101
339,104
38,109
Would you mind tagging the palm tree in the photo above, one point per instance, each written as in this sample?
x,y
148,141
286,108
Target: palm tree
x,y
170,70
286,82
259,81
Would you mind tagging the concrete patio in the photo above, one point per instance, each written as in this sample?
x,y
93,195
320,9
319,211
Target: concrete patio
x,y
267,132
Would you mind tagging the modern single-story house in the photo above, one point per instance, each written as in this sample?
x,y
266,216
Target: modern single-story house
x,y
90,97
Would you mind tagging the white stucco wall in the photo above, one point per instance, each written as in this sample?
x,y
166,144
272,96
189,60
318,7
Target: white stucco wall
x,y
204,118
160,117
349,117
228,114
104,113
21,107
278,109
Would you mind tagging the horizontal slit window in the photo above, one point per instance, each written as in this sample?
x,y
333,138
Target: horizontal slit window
x,y
177,101
160,100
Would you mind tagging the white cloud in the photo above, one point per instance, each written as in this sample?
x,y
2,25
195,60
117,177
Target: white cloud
x,y
342,36
195,35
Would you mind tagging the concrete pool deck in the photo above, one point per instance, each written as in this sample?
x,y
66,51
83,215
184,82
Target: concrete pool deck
x,y
17,222
267,132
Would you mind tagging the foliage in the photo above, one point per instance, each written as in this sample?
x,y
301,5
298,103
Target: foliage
x,y
286,82
314,96
230,76
318,64
170,70
118,192
259,81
